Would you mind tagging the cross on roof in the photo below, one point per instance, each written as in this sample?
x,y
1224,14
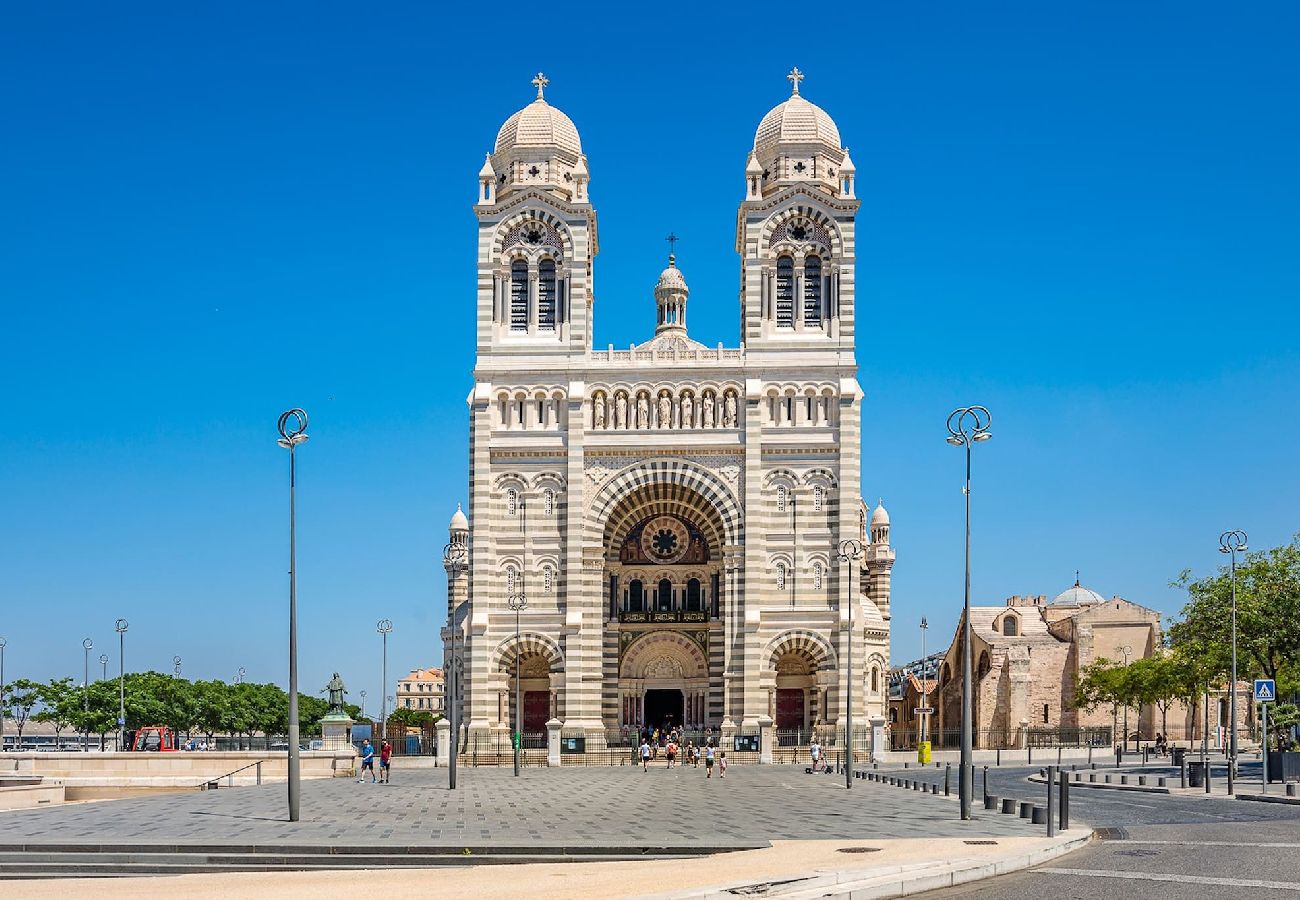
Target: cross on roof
x,y
542,81
672,240
794,78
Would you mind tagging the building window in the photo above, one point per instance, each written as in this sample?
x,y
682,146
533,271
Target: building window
x,y
1046,716
635,596
665,595
812,291
693,598
781,493
548,579
512,502
819,498
780,576
817,575
548,502
546,296
519,295
875,680
785,292
512,578
1009,626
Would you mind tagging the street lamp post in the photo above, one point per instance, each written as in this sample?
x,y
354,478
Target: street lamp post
x,y
363,704
925,685
1127,651
103,662
966,427
120,626
3,708
455,558
517,602
86,645
239,676
293,432
1232,543
384,627
176,667
849,551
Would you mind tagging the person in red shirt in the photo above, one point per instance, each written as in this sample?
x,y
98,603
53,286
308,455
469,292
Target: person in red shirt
x,y
385,761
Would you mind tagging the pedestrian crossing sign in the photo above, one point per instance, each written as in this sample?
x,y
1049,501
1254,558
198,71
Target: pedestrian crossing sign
x,y
1265,690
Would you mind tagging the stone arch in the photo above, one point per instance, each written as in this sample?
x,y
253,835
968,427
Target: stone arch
x,y
808,644
668,486
772,233
530,643
556,232
644,654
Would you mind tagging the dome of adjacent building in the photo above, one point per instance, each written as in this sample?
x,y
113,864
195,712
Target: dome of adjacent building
x,y
796,121
539,125
880,516
458,520
1078,596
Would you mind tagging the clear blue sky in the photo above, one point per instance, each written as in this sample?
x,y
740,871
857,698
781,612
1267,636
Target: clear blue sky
x,y
1082,216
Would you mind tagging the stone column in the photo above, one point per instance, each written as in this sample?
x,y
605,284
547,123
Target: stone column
x,y
878,745
444,742
766,738
553,742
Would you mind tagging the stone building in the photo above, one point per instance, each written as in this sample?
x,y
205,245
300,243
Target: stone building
x,y
671,512
422,691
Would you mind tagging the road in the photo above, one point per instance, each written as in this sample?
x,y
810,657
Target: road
x,y
1155,846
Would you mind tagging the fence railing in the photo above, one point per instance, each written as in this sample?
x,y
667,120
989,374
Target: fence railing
x,y
1003,739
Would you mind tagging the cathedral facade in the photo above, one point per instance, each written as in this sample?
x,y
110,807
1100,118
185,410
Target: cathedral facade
x,y
672,515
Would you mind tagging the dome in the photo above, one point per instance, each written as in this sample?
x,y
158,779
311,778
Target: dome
x,y
539,125
670,279
880,517
1077,596
458,520
796,121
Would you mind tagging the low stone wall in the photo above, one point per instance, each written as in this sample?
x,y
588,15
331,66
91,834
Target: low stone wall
x,y
174,770
29,796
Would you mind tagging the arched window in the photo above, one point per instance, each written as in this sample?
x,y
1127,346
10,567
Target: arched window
x,y
817,575
519,295
548,502
780,576
875,680
546,295
819,498
665,594
512,502
548,579
635,596
1009,627
512,579
812,291
785,292
693,595
781,494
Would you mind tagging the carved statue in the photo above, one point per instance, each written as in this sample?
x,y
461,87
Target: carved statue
x,y
598,414
729,412
706,411
336,690
642,412
688,412
620,412
665,411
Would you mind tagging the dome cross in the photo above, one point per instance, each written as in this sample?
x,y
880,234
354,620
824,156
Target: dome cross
x,y
672,240
541,81
794,78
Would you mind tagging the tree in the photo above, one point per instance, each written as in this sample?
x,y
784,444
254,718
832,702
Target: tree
x,y
1099,683
415,718
60,702
1157,681
23,696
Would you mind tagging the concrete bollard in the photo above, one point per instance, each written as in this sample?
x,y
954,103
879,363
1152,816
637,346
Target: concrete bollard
x,y
934,789
991,802
1038,816
1008,805
1026,809
1142,781
1123,779
1161,782
1092,776
1290,790
916,785
1108,779
1078,776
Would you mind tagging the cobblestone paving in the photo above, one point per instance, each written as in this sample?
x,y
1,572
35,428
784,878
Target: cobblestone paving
x,y
596,807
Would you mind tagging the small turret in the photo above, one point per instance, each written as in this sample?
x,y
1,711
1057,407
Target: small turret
x,y
487,181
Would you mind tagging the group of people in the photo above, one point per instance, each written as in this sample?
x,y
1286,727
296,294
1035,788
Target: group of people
x,y
693,755
368,762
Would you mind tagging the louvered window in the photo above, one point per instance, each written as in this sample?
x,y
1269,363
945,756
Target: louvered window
x,y
812,291
785,292
519,295
546,296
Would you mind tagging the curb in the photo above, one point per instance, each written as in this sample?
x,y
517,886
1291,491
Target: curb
x,y
886,881
1100,786
1270,798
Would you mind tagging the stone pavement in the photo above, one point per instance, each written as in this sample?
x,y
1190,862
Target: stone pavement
x,y
596,807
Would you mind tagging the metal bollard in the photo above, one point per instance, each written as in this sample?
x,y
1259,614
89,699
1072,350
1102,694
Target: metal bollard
x,y
1146,751
1058,756
1119,756
999,761
1029,752
990,802
947,779
1064,805
1051,782
1090,754
1008,805
259,772
1182,773
986,787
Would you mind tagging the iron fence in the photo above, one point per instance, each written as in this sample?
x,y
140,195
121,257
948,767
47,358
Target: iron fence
x,y
1003,739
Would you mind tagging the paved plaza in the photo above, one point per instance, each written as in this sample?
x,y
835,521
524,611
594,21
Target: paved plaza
x,y
578,807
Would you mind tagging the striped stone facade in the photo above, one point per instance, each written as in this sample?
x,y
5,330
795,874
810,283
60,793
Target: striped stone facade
x,y
672,513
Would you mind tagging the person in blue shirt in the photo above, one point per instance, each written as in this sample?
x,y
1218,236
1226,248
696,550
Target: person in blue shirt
x,y
367,762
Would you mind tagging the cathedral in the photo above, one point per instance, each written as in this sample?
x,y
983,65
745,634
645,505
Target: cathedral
x,y
682,525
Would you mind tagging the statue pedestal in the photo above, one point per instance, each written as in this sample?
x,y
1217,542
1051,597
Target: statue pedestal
x,y
336,731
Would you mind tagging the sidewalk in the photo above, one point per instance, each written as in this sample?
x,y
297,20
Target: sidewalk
x,y
789,869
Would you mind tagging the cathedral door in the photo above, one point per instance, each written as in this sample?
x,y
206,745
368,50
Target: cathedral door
x,y
789,708
663,708
537,709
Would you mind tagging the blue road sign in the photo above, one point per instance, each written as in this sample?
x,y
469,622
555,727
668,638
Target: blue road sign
x,y
1265,690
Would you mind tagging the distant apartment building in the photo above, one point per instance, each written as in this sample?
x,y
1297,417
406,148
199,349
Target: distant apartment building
x,y
421,690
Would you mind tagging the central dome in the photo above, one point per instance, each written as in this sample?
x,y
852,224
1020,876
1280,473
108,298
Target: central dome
x,y
796,121
1077,596
539,125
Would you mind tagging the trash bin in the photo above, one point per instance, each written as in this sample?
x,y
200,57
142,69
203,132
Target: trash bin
x,y
1196,774
1179,754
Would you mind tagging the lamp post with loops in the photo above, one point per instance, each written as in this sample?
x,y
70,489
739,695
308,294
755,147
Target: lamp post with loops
x,y
239,676
385,628
1232,543
363,704
967,426
850,550
1127,651
3,708
87,645
292,426
120,626
517,603
176,666
455,559
103,661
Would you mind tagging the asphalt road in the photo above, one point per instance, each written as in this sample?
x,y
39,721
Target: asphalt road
x,y
1155,846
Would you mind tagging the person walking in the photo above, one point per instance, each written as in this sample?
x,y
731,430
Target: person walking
x,y
385,760
671,752
645,756
722,764
816,751
708,761
367,761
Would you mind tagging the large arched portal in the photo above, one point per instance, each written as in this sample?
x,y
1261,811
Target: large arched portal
x,y
664,545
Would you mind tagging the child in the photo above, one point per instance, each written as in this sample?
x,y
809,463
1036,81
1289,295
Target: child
x,y
722,764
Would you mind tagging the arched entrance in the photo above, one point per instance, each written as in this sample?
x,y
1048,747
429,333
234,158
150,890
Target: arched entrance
x,y
663,681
